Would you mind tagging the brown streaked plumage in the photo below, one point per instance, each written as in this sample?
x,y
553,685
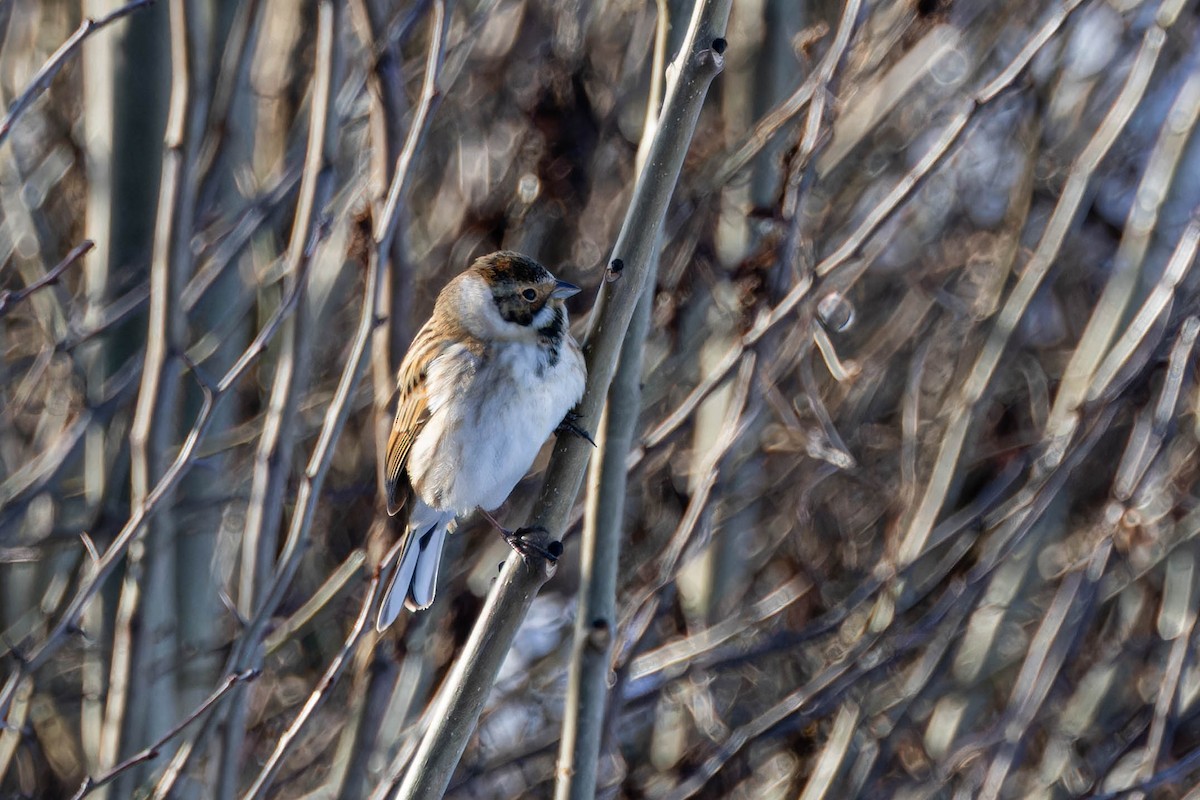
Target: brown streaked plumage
x,y
486,380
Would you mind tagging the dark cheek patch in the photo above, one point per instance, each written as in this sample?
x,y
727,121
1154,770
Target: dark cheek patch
x,y
516,309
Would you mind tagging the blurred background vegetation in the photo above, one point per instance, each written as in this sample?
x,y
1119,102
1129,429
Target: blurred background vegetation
x,y
932,533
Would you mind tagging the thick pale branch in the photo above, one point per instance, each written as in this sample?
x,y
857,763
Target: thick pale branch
x,y
591,652
457,707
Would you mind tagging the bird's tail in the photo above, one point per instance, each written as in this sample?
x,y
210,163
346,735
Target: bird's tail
x,y
413,579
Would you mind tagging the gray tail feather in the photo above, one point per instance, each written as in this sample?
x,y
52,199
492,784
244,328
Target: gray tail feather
x,y
414,578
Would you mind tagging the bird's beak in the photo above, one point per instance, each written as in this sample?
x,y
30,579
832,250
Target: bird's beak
x,y
562,290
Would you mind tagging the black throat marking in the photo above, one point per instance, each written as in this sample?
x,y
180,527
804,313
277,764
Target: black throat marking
x,y
550,336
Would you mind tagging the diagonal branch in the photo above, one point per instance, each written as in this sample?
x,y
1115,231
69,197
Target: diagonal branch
x,y
457,707
68,621
299,530
150,753
10,299
51,68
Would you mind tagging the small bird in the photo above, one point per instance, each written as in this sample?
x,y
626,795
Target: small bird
x,y
491,374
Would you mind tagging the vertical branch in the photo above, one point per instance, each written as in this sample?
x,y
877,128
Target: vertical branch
x,y
600,547
247,648
144,628
112,216
376,668
461,698
273,457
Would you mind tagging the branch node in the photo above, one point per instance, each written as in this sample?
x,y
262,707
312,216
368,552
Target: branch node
x,y
206,385
600,636
232,608
613,272
14,650
90,546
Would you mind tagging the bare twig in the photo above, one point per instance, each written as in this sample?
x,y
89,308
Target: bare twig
x,y
1043,662
922,519
1123,279
1176,620
68,621
335,417
774,121
319,600
870,652
9,299
882,211
376,668
318,697
1156,304
458,704
46,468
273,457
150,753
46,74
143,629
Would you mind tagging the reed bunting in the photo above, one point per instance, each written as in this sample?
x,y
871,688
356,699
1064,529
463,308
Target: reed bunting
x,y
486,380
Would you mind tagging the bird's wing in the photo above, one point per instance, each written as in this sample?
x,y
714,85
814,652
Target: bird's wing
x,y
434,357
412,412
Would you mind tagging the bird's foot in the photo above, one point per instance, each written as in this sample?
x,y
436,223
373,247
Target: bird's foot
x,y
568,425
519,540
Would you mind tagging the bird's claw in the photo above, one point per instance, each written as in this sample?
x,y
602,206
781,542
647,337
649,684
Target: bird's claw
x,y
568,426
518,540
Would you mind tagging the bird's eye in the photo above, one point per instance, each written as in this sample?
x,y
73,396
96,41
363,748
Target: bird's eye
x,y
529,294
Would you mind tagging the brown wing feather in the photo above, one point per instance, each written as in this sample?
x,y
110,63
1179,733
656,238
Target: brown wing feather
x,y
412,412
442,331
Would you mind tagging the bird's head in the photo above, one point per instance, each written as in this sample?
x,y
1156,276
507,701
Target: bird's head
x,y
506,295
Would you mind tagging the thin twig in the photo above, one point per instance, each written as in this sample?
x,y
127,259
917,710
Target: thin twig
x,y
774,120
880,213
46,74
319,600
923,517
150,753
68,621
9,299
317,698
1045,658
457,707
870,652
1124,277
143,632
273,456
339,409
